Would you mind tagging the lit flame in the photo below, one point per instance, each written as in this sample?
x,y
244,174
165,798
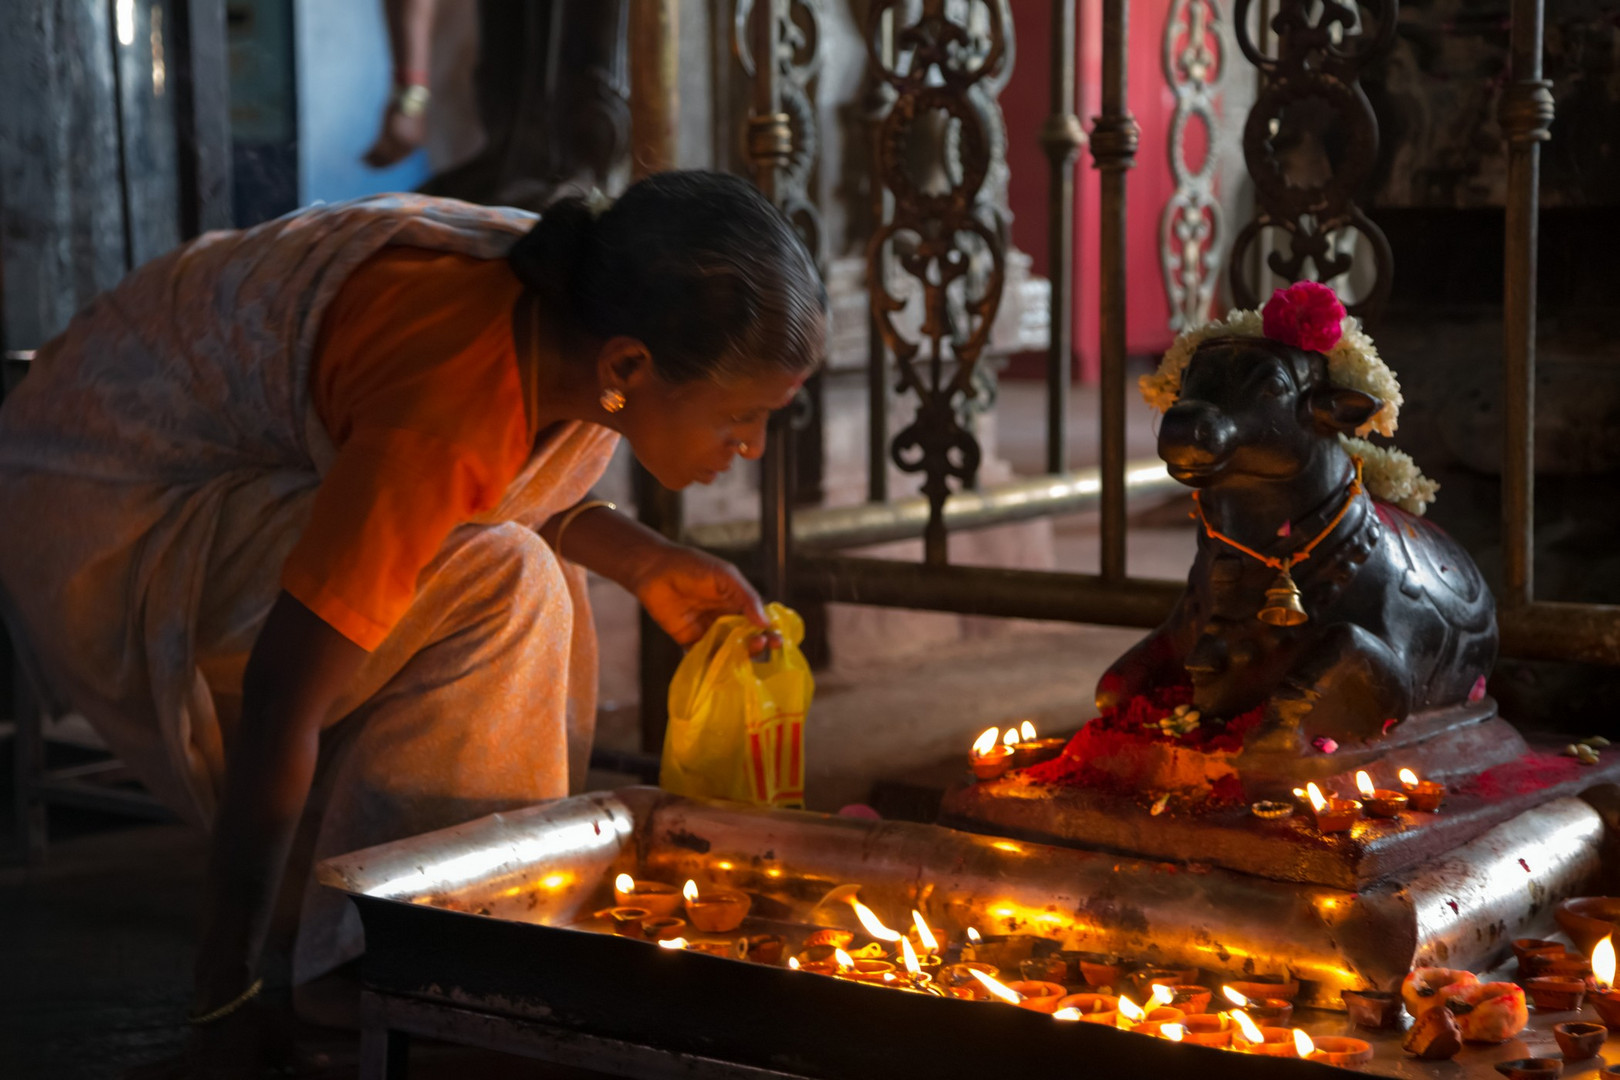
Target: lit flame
x,y
1173,1032
1409,778
1299,793
1302,1044
689,890
973,935
986,741
1316,796
912,967
1131,1011
873,925
1010,738
1001,990
1234,997
1603,961
1026,730
672,943
624,883
1364,782
925,936
845,963
1251,1032
1162,995
793,963
1071,1013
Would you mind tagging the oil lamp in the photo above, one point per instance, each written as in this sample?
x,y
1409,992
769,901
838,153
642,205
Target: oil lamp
x,y
1031,749
1425,795
1379,802
716,912
1273,1011
626,921
1336,1050
930,960
1333,814
660,900
1208,1029
1605,999
871,923
997,988
1130,1013
989,758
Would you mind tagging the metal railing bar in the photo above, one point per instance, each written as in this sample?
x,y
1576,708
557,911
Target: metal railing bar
x,y
1113,147
980,590
1520,116
1061,139
834,527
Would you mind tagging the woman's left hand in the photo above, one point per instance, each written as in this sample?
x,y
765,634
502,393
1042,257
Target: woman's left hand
x,y
685,590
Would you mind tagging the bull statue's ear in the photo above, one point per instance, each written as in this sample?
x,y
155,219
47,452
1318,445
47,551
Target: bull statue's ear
x,y
1340,409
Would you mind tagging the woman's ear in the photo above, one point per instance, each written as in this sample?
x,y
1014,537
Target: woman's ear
x,y
1341,409
624,364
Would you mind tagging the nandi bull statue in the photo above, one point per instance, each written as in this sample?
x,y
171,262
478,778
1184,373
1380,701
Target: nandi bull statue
x,y
1319,594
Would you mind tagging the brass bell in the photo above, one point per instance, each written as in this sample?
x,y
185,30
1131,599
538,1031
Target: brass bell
x,y
1282,603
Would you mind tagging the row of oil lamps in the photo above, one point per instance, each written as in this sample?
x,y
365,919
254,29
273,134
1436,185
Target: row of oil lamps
x,y
1176,1010
1334,814
995,752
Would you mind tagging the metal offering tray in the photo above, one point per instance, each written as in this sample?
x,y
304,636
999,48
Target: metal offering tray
x,y
491,924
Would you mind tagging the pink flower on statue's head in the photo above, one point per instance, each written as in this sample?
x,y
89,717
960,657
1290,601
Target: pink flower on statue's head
x,y
1306,315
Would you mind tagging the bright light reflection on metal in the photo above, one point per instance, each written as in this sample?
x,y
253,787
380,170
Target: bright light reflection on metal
x,y
483,863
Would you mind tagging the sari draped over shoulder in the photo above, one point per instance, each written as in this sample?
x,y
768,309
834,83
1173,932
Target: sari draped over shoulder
x,y
157,465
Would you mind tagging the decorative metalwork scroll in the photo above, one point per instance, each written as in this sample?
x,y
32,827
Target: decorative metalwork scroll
x,y
1191,228
792,148
945,239
1311,142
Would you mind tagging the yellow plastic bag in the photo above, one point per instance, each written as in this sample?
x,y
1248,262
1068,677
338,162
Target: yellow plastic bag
x,y
736,727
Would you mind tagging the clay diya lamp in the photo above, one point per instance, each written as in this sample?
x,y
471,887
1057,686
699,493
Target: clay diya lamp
x,y
1267,986
1609,1072
663,929
1165,1014
660,900
1271,1012
1531,1069
716,912
1191,1000
1008,951
1580,1041
868,971
1345,1052
763,948
1565,965
1524,948
1034,751
1556,993
1274,1042
1379,802
958,980
1376,1010
1048,969
1095,1008
1038,996
1423,795
1207,1029
1100,969
1587,919
990,759
626,921
1145,979
829,939
1331,813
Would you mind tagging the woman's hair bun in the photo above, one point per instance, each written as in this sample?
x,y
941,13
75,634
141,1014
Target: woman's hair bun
x,y
552,256
698,266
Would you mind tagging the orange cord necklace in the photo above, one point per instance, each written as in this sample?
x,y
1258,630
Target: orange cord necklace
x,y
1283,606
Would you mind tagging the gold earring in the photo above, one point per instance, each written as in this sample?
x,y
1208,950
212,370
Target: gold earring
x,y
612,399
742,448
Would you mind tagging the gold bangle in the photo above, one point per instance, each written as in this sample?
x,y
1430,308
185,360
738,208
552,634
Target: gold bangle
x,y
569,516
230,1006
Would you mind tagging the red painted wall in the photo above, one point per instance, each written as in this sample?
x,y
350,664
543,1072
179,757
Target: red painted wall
x,y
1026,102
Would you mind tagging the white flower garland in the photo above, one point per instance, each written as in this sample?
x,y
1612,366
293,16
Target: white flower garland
x,y
1390,474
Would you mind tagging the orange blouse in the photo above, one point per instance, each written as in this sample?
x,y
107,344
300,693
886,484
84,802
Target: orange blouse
x,y
417,378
